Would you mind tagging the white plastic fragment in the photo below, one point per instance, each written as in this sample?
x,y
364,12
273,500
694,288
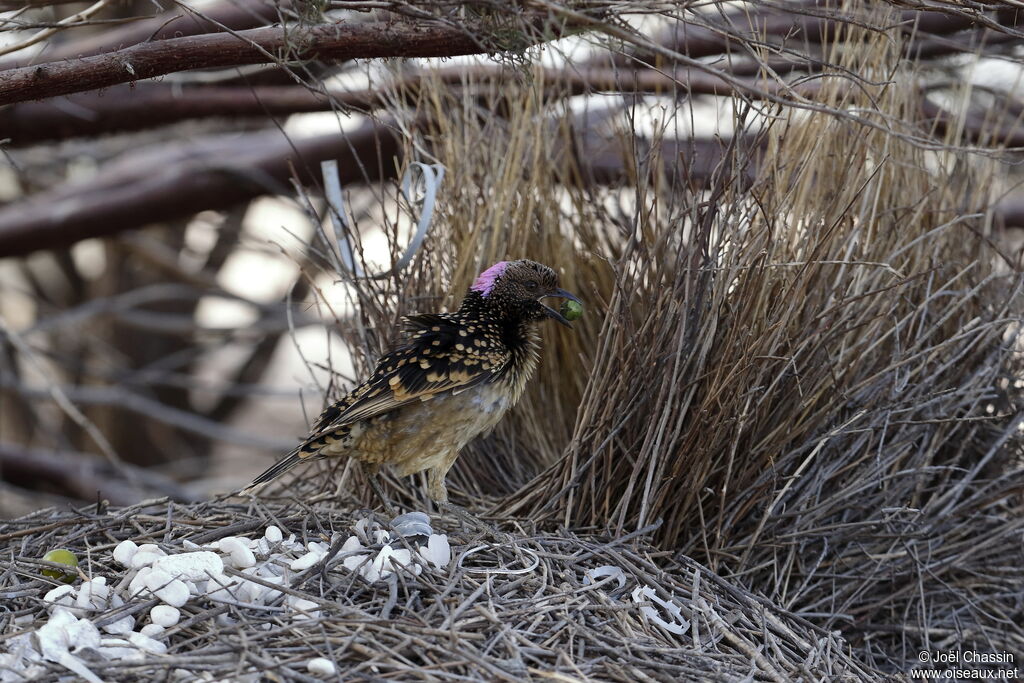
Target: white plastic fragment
x,y
318,666
678,623
353,562
438,551
164,615
195,566
592,576
124,552
273,534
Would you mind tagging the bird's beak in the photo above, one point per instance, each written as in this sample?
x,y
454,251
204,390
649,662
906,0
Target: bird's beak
x,y
552,313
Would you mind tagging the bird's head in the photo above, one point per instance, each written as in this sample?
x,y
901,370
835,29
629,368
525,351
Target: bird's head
x,y
516,289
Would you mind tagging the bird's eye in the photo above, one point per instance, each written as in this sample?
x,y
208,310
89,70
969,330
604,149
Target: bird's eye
x,y
530,284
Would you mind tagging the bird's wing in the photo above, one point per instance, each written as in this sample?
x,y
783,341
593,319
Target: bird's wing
x,y
440,355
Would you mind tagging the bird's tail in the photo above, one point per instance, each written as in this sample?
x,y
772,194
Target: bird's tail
x,y
274,471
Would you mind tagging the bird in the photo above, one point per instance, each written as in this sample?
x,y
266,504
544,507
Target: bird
x,y
452,377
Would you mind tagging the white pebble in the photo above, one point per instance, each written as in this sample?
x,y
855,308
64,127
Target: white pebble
x,y
122,626
222,588
381,536
124,552
145,558
172,591
238,550
92,595
320,548
351,544
60,596
305,562
319,666
273,534
138,582
197,566
152,630
164,615
144,642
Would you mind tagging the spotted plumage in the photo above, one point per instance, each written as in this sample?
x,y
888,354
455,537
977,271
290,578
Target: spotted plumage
x,y
453,377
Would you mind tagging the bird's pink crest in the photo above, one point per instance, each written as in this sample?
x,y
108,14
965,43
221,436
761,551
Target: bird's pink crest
x,y
485,281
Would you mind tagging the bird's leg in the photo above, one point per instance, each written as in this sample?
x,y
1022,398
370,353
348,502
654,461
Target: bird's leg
x,y
371,470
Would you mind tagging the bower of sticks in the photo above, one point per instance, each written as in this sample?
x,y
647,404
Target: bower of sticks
x,y
783,443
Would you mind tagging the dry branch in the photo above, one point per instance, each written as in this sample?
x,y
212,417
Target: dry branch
x,y
145,105
175,23
177,180
254,46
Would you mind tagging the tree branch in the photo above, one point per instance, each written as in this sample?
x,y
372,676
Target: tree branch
x,y
254,46
171,181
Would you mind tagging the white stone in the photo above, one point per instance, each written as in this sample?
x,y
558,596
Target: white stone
x,y
305,609
238,551
122,626
318,666
222,588
60,596
196,566
316,547
165,615
172,591
273,534
144,642
62,632
144,558
152,630
351,544
305,562
124,552
381,536
138,582
92,595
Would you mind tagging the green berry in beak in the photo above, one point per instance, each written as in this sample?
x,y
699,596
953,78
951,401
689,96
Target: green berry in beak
x,y
65,557
571,310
